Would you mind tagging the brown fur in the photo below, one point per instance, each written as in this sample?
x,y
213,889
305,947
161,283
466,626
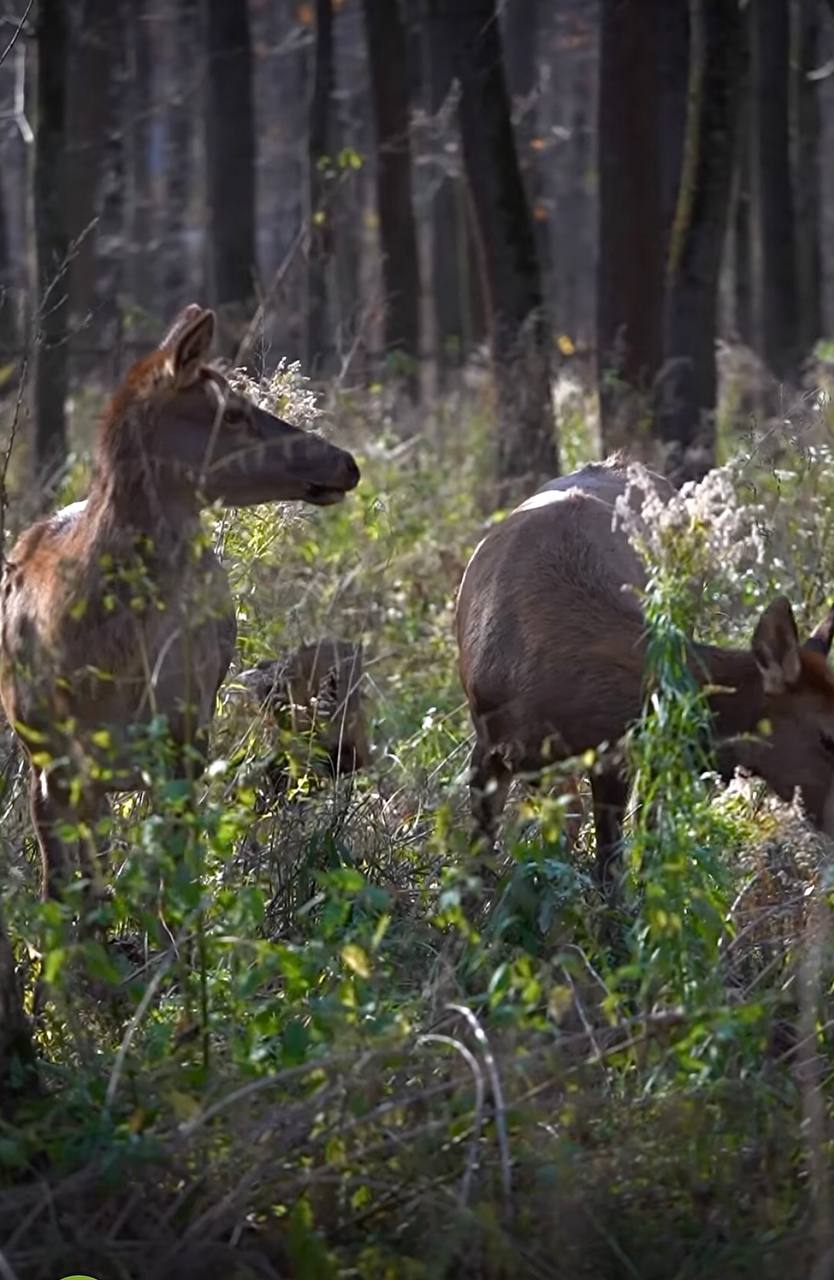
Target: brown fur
x,y
316,689
114,610
552,651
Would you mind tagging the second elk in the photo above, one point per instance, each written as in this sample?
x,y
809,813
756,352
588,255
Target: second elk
x,y
115,611
552,644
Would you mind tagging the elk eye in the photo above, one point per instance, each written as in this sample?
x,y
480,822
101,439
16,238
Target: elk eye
x,y
234,416
827,740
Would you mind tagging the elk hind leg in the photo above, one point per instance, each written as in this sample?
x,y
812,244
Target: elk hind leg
x,y
489,784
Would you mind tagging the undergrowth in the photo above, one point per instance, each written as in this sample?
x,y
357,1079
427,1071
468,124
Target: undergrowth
x,y
304,1053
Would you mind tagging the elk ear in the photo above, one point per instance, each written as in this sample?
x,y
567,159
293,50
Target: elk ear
x,y
776,647
192,345
820,639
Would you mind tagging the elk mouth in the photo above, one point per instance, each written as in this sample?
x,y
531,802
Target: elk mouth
x,y
323,495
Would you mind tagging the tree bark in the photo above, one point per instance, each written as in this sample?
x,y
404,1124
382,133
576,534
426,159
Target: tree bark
x,y
775,281
52,242
8,310
447,230
643,62
143,255
321,161
526,452
398,234
808,180
17,1059
742,227
685,423
230,165
177,61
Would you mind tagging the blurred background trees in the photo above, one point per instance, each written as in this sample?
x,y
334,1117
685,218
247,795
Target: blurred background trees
x,y
423,192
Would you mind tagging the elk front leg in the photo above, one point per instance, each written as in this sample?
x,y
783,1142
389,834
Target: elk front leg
x,y
51,809
610,795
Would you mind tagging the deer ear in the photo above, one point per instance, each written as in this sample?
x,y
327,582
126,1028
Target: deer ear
x,y
776,647
820,639
192,345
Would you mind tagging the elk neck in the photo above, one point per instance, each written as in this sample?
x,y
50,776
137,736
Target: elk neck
x,y
738,704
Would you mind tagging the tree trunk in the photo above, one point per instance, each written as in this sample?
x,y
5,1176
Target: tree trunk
x,y
447,238
50,309
111,236
775,281
808,180
643,62
89,101
230,166
685,423
143,254
526,451
8,309
17,1059
398,234
178,70
321,151
742,226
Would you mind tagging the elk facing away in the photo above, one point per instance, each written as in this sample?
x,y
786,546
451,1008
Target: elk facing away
x,y
114,611
552,650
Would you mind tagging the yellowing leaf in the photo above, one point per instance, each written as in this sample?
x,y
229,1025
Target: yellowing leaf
x,y
355,959
101,738
565,345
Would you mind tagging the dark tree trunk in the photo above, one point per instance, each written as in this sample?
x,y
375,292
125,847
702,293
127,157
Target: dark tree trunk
x,y
143,256
17,1059
177,59
398,234
89,101
321,161
230,165
808,179
522,33
520,331
8,309
776,305
52,242
685,422
643,62
742,226
112,228
447,229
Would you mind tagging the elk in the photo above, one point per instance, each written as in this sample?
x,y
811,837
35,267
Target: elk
x,y
115,611
552,649
315,690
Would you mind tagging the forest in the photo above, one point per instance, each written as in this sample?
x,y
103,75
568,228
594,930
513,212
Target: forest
x,y
416,716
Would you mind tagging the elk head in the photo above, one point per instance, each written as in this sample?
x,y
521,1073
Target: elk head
x,y
207,442
794,746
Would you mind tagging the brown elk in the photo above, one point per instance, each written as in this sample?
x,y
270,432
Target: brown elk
x,y
114,611
316,690
552,651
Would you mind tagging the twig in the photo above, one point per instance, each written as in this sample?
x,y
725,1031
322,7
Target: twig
x,y
480,1094
152,988
248,339
497,1097
21,23
6,1270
